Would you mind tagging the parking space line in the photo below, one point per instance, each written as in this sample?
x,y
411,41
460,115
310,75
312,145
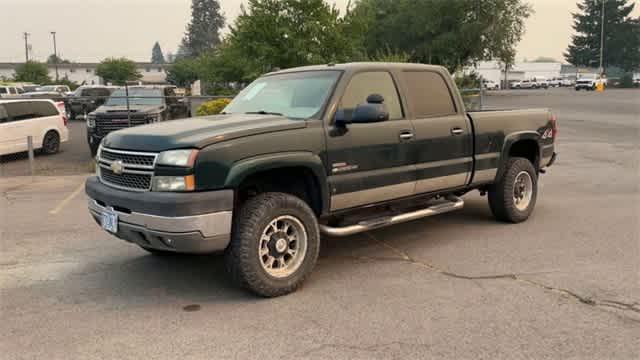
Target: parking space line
x,y
66,200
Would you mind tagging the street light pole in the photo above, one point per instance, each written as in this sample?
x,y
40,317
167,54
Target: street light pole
x,y
602,40
55,53
26,46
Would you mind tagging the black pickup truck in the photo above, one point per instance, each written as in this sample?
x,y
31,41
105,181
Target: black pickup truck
x,y
147,104
333,150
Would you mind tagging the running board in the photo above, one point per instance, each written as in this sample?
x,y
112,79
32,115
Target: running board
x,y
454,203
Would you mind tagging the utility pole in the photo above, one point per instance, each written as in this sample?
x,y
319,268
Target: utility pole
x,y
55,54
26,46
602,41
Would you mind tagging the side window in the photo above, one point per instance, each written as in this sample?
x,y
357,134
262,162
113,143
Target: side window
x,y
428,94
19,111
4,117
44,109
12,90
3,90
364,84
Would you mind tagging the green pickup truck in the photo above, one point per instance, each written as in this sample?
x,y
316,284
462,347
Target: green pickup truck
x,y
335,150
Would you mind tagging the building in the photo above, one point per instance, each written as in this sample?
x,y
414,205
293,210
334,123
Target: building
x,y
85,73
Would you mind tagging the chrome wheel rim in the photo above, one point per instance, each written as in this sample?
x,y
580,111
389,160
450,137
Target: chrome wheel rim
x,y
283,246
522,191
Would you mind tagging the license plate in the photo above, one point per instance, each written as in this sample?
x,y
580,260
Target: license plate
x,y
110,221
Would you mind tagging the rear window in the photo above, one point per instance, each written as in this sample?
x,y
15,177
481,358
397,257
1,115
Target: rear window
x,y
429,94
18,111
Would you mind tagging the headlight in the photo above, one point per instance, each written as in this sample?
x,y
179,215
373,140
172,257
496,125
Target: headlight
x,y
174,183
91,121
184,158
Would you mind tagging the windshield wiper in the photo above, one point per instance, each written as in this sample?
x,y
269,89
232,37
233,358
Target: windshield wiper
x,y
262,112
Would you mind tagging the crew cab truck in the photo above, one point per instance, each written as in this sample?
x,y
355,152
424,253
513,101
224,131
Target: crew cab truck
x,y
146,105
333,150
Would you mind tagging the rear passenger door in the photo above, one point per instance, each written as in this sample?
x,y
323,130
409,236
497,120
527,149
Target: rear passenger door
x,y
442,150
368,162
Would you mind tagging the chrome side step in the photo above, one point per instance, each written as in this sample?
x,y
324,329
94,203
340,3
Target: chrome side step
x,y
454,203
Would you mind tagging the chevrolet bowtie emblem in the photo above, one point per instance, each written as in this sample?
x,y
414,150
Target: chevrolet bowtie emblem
x,y
117,167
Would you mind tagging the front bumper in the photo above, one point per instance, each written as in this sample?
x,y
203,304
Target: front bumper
x,y
180,222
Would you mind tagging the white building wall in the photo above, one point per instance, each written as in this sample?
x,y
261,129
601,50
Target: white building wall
x,y
535,70
86,73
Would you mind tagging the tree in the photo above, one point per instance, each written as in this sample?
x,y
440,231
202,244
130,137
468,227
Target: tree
x,y
621,40
183,72
118,71
33,72
52,60
156,54
203,32
449,33
272,34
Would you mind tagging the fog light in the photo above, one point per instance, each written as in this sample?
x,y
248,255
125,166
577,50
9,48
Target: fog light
x,y
174,183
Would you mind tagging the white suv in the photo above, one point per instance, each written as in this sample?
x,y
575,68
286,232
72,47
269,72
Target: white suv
x,y
43,120
9,91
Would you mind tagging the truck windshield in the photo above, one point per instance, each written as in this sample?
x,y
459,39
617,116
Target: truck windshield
x,y
300,95
136,97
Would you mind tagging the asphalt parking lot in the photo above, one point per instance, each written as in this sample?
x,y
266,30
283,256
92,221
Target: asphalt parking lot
x,y
564,285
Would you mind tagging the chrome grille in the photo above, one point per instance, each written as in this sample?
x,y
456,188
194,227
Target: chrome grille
x,y
135,169
107,124
128,158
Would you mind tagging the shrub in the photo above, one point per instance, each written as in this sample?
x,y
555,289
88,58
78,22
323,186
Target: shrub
x,y
212,107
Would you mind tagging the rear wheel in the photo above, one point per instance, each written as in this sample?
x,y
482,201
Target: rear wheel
x,y
51,143
513,197
274,246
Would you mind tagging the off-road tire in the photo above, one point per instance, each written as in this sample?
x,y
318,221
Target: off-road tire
x,y
501,199
242,256
51,143
94,150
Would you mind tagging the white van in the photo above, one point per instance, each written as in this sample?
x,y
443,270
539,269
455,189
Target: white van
x,y
7,91
43,120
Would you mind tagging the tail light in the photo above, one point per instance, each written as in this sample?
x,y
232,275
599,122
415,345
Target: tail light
x,y
63,112
554,125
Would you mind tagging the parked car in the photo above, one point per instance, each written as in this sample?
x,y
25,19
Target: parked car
x,y
567,82
30,88
554,82
327,149
43,120
524,84
63,89
589,82
491,85
9,91
87,99
147,104
540,83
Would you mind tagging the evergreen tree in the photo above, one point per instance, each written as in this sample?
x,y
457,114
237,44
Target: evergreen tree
x,y
621,35
156,54
203,32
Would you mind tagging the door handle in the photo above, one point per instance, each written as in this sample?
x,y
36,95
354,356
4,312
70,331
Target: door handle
x,y
457,131
407,135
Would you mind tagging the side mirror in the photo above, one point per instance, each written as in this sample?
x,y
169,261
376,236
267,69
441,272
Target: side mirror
x,y
373,111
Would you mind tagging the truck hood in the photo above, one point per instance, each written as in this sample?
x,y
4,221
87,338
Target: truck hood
x,y
143,109
197,132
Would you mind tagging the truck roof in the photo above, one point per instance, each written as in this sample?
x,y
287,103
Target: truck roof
x,y
358,66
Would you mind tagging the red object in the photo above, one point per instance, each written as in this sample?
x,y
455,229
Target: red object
x,y
63,112
554,124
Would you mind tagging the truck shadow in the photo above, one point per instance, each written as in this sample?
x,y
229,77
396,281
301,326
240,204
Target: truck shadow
x,y
203,280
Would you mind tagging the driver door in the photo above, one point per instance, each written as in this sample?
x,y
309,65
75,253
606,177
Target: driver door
x,y
370,162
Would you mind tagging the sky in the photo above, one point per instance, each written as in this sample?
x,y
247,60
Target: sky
x,y
90,30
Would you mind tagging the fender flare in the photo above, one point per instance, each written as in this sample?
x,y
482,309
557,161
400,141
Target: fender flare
x,y
512,139
249,166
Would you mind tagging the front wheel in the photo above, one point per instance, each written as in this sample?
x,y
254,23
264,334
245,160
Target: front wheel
x,y
274,246
513,198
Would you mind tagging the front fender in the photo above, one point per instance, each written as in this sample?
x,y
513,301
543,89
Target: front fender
x,y
247,167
